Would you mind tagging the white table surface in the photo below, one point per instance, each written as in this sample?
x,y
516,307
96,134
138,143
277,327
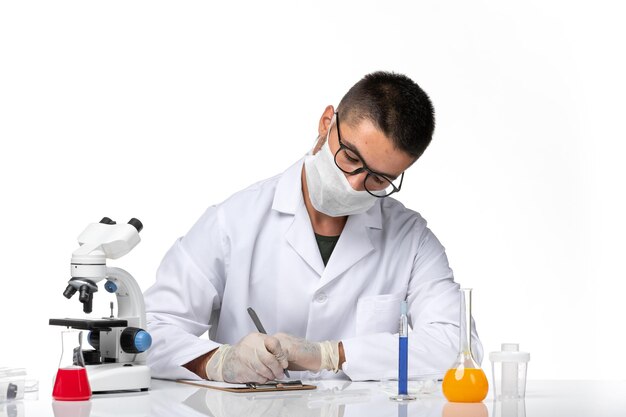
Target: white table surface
x,y
331,398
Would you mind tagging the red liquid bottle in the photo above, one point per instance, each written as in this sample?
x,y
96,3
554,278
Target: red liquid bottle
x,y
71,383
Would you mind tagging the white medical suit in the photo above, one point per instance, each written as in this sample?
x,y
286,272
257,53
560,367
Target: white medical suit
x,y
257,249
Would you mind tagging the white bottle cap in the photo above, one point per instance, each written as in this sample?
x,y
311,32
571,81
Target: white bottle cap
x,y
509,353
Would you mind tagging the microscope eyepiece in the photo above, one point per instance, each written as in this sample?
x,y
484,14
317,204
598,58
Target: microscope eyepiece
x,y
136,224
107,220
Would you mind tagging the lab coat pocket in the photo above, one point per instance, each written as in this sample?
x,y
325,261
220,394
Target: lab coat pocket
x,y
378,313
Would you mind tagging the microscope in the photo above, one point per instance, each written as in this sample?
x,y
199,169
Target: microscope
x,y
117,360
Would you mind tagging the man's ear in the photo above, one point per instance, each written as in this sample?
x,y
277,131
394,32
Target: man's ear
x,y
324,124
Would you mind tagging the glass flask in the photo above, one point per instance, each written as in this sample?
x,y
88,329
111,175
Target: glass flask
x,y
465,381
71,382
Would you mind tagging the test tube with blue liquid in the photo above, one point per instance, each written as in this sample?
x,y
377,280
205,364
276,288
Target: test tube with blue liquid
x,y
403,357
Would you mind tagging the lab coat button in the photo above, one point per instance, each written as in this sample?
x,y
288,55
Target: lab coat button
x,y
321,297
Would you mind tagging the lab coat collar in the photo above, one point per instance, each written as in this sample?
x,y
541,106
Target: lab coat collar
x,y
288,197
354,243
288,194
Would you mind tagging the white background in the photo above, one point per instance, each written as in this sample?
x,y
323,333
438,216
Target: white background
x,y
157,110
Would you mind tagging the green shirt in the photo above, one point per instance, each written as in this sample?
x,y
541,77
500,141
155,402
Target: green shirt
x,y
326,244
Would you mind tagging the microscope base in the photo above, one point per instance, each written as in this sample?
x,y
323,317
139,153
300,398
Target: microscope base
x,y
118,377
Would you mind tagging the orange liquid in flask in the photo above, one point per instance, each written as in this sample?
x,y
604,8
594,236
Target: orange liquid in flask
x,y
465,382
468,385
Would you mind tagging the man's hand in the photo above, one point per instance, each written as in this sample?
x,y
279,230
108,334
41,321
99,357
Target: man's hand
x,y
255,358
309,356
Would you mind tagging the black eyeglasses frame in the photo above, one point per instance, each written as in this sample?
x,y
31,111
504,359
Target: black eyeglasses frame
x,y
364,167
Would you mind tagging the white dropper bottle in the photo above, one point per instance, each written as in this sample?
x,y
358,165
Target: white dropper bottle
x,y
512,377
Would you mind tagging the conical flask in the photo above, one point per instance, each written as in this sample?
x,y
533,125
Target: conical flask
x,y
465,381
71,383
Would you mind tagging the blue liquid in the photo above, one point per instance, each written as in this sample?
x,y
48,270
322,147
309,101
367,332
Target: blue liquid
x,y
403,366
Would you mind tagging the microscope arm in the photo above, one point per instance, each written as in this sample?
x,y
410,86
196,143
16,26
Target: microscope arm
x,y
130,304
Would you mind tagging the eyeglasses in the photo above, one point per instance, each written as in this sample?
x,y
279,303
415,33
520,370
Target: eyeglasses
x,y
349,162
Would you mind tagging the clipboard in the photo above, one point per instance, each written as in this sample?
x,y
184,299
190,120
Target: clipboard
x,y
270,386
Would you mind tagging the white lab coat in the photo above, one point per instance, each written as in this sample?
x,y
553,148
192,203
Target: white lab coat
x,y
257,249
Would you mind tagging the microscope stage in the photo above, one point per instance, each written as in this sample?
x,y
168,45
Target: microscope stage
x,y
85,324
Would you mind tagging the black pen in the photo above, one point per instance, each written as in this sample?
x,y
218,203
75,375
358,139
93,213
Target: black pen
x,y
261,329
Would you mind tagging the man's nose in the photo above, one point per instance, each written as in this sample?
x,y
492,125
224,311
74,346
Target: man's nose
x,y
357,181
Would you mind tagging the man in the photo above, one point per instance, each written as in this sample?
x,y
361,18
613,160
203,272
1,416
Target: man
x,y
324,256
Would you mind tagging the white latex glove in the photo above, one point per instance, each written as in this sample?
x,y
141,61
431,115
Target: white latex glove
x,y
309,356
255,358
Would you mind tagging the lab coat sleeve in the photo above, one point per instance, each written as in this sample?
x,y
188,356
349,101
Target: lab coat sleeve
x,y
184,301
434,313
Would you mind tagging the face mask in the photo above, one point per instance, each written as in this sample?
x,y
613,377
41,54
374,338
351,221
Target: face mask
x,y
329,189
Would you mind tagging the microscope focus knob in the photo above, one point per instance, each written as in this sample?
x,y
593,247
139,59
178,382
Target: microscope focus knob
x,y
94,339
135,340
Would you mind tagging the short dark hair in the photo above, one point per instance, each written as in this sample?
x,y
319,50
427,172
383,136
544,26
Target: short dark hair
x,y
396,105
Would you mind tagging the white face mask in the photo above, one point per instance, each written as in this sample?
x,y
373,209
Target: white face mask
x,y
329,189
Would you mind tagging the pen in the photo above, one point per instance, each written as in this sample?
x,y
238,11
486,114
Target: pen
x,y
261,329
